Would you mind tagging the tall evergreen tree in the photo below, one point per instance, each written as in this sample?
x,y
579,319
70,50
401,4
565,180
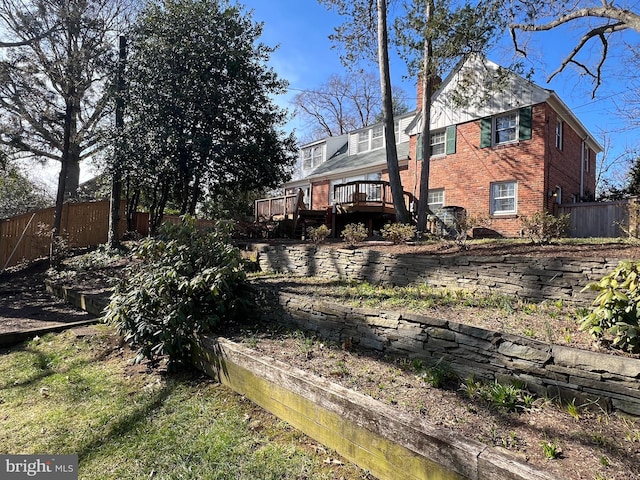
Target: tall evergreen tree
x,y
200,115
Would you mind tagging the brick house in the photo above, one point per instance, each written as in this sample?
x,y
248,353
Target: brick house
x,y
502,147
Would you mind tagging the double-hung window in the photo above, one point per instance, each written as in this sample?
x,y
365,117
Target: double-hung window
x,y
438,143
559,129
363,141
371,139
377,137
435,199
442,142
504,198
311,157
506,128
586,156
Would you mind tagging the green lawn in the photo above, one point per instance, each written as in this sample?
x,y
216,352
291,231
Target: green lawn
x,y
62,394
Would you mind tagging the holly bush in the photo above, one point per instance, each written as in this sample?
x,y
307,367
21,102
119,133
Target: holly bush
x,y
182,283
617,307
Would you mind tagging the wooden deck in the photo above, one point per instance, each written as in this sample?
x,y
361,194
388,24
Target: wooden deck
x,y
369,202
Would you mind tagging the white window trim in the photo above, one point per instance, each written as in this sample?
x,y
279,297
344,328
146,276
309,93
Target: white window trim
x,y
494,128
361,142
442,132
380,137
313,155
438,190
493,198
559,134
361,148
587,158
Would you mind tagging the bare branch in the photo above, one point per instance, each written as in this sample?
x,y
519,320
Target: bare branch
x,y
29,41
596,32
622,20
624,17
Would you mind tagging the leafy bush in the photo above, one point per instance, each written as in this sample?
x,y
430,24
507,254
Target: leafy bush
x,y
542,227
184,283
319,234
354,233
398,232
616,308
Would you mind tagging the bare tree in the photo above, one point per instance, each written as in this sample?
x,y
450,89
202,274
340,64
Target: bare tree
x,y
599,18
32,29
344,103
612,169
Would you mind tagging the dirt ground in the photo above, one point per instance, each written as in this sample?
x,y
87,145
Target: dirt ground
x,y
25,303
593,444
567,248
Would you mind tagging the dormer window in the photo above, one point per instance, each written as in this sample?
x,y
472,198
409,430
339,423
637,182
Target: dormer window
x,y
377,137
363,141
371,139
311,157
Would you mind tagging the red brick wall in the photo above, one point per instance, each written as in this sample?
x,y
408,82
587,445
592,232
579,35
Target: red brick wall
x,y
466,176
320,195
564,165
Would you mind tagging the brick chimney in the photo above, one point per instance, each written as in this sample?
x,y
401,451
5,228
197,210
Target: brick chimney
x,y
437,81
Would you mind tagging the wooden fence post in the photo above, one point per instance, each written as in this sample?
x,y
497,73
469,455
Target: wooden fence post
x,y
633,211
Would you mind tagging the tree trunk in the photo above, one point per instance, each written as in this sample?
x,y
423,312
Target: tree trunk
x,y
156,210
116,180
402,215
427,89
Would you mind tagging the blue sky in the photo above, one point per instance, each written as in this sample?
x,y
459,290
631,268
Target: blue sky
x,y
306,59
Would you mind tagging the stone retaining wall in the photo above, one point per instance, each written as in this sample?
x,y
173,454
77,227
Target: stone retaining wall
x,y
611,381
534,278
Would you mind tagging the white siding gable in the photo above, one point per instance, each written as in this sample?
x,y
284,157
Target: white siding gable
x,y
474,78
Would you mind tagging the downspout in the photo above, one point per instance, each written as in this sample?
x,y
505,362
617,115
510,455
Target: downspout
x,y
547,163
582,171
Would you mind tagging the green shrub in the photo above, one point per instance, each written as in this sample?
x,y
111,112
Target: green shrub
x,y
542,227
398,232
319,234
616,308
184,282
354,233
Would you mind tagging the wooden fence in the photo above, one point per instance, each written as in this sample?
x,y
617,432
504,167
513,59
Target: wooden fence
x,y
602,219
28,237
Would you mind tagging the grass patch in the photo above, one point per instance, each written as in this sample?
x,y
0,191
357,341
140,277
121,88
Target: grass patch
x,y
61,394
422,296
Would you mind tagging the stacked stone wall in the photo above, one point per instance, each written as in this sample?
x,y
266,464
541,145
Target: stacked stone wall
x,y
532,278
612,382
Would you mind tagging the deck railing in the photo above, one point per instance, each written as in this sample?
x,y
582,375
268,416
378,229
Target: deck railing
x,y
367,192
361,192
267,208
